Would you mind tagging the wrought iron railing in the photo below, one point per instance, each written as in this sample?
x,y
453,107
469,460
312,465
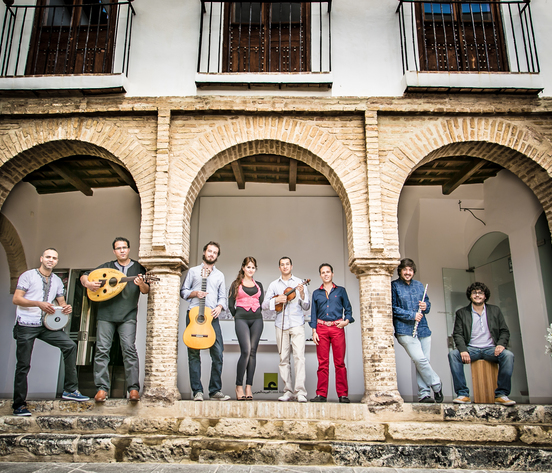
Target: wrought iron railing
x,y
266,36
55,38
495,36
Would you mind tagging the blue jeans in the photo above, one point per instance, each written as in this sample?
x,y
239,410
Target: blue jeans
x,y
419,350
194,363
505,369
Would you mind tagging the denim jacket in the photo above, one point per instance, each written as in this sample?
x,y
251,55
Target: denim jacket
x,y
404,299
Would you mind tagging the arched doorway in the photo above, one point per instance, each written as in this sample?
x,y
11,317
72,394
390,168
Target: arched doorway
x,y
77,204
438,233
269,220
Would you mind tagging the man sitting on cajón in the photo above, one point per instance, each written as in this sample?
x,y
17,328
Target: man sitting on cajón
x,y
480,333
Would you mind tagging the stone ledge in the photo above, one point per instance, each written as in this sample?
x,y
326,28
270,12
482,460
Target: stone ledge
x,y
356,412
158,448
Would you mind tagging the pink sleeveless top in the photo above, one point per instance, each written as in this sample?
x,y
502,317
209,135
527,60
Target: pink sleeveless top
x,y
246,301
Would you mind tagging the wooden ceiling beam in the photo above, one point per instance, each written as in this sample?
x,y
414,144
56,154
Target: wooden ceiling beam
x,y
124,175
292,175
73,179
463,175
238,174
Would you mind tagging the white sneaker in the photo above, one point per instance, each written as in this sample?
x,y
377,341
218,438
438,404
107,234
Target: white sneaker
x,y
288,396
198,397
504,400
219,396
301,398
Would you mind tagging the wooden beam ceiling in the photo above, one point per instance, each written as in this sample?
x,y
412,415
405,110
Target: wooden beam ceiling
x,y
79,173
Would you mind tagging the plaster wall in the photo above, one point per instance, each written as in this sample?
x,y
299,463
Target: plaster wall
x,y
366,51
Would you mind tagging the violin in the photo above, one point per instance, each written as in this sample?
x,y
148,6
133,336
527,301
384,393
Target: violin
x,y
290,292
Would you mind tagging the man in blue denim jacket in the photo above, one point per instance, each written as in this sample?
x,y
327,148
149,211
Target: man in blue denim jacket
x,y
409,308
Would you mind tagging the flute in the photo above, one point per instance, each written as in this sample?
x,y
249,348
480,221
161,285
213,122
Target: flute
x,y
415,332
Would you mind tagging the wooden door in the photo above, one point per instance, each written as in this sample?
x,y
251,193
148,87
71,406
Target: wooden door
x,y
267,37
72,37
461,37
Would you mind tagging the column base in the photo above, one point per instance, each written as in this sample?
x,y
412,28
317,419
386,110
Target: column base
x,y
157,395
383,400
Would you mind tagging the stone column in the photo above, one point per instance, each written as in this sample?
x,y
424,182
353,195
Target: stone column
x,y
160,382
376,320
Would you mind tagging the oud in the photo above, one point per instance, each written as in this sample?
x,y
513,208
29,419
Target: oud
x,y
113,282
199,333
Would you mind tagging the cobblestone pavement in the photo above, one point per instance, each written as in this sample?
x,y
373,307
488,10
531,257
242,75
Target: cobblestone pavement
x,y
171,468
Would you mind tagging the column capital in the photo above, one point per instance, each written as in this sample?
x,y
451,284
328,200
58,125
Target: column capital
x,y
365,266
164,263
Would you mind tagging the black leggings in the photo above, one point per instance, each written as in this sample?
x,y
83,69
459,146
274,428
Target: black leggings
x,y
249,334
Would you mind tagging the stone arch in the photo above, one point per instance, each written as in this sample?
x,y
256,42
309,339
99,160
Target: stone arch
x,y
15,253
515,147
284,136
30,145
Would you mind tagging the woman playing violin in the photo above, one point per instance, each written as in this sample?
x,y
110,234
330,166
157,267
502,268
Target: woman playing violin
x,y
245,299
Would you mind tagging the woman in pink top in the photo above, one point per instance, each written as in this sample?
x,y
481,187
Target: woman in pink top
x,y
244,301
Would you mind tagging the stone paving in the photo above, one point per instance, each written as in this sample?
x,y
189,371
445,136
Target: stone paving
x,y
161,468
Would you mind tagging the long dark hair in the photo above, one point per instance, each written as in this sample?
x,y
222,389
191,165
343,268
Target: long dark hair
x,y
241,274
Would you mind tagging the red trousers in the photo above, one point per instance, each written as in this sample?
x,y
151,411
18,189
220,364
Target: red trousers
x,y
334,337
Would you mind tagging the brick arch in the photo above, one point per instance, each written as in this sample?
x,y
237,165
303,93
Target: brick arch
x,y
15,253
286,137
32,145
515,147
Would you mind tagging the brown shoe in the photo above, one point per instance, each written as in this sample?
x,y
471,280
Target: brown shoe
x,y
100,396
134,395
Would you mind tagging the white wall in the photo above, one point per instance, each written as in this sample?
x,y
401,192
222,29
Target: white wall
x,y
366,49
439,235
81,229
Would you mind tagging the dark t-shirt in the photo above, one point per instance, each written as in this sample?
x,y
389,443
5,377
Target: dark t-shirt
x,y
124,306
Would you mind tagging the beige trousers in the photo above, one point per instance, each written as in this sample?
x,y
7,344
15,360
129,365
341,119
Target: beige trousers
x,y
293,339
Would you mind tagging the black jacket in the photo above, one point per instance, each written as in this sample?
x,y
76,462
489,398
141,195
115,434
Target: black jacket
x,y
495,321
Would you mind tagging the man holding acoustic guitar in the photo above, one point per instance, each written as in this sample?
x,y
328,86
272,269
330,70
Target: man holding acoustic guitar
x,y
36,290
205,289
118,313
288,296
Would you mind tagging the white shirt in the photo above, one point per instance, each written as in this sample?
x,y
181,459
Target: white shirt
x,y
293,312
36,289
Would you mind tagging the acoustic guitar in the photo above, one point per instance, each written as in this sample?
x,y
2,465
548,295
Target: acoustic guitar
x,y
113,282
199,333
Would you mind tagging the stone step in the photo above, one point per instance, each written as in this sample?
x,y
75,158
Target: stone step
x,y
411,435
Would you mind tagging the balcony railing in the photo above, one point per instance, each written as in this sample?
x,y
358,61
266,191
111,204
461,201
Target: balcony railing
x,y
455,36
53,38
268,36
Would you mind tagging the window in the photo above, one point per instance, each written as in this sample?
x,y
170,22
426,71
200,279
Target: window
x,y
72,37
466,36
266,37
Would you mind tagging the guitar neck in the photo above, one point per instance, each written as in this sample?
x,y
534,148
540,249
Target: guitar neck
x,y
202,300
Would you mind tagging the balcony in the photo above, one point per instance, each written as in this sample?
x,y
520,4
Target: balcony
x,y
464,46
265,44
81,46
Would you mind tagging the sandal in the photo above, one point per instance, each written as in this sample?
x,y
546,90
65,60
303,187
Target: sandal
x,y
238,397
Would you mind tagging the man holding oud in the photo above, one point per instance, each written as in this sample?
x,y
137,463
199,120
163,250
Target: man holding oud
x,y
118,314
36,290
331,313
290,328
216,300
